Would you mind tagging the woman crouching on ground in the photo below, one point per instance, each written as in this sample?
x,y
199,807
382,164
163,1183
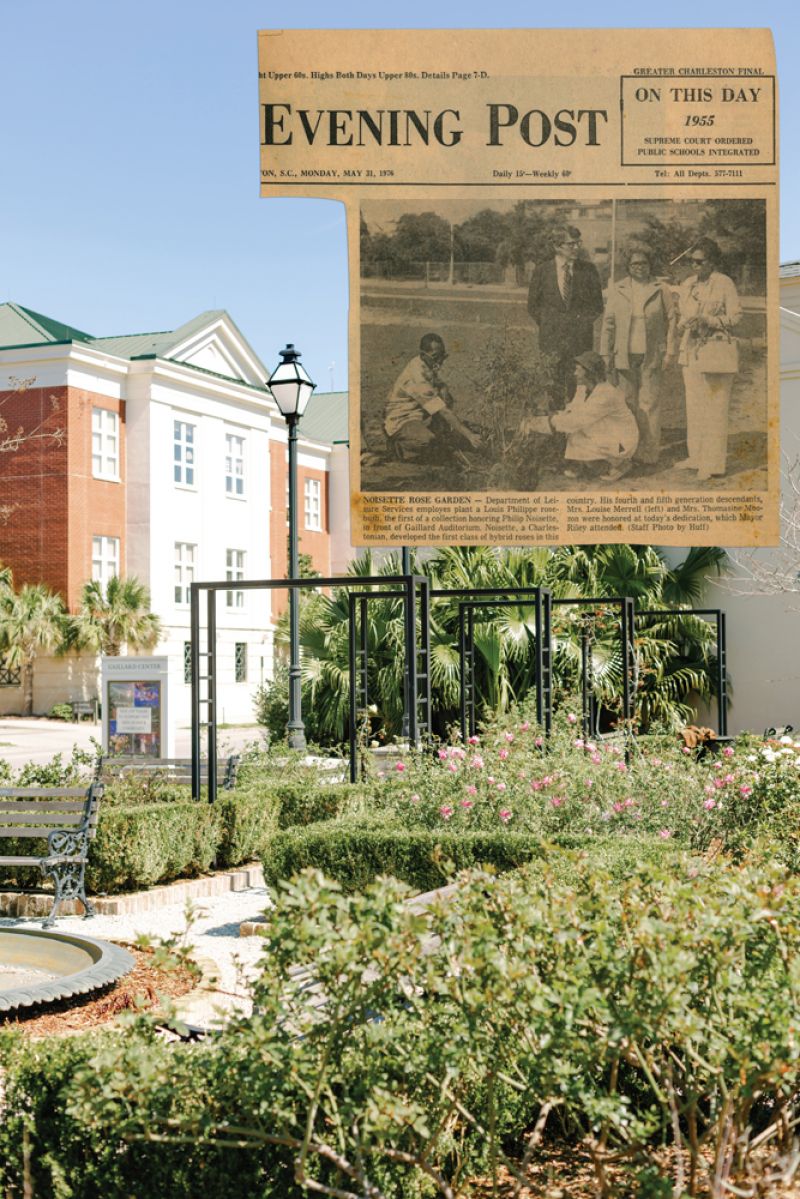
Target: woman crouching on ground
x,y
602,434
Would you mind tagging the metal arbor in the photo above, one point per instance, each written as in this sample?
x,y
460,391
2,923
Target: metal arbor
x,y
408,586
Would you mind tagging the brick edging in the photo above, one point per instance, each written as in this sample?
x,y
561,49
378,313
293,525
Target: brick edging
x,y
14,903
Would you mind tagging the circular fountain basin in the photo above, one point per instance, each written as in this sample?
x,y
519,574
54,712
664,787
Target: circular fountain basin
x,y
38,966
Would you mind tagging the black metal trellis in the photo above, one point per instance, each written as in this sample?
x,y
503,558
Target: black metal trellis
x,y
408,585
718,616
416,675
502,599
590,709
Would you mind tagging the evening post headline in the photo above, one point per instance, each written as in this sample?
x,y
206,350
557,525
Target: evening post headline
x,y
576,119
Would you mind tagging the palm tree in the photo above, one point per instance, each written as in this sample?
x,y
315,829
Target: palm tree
x,y
32,621
119,615
675,655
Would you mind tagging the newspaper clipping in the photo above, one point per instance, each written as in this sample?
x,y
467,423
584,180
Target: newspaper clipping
x,y
563,327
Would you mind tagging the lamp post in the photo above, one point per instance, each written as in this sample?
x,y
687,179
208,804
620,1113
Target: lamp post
x,y
291,389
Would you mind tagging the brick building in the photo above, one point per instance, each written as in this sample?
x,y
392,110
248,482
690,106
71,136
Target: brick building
x,y
160,455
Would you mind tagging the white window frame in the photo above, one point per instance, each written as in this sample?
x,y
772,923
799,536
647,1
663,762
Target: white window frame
x,y
235,450
185,562
312,504
234,573
105,558
105,444
184,454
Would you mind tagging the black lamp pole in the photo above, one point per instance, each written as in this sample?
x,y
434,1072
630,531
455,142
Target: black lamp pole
x,y
291,389
296,728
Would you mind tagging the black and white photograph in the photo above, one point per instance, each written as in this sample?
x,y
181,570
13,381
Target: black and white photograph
x,y
563,345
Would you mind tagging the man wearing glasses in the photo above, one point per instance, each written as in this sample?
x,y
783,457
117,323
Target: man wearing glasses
x,y
565,299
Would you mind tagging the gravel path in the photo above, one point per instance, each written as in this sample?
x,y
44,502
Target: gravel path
x,y
214,937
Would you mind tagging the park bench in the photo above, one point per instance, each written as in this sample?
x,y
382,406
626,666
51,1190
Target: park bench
x,y
84,707
171,770
64,817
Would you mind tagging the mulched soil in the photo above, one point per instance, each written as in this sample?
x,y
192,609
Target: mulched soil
x,y
146,986
566,1172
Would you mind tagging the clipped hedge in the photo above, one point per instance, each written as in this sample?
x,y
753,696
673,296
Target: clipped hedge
x,y
302,799
355,854
249,819
154,843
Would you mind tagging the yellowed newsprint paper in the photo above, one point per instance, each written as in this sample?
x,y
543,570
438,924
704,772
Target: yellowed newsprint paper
x,y
563,283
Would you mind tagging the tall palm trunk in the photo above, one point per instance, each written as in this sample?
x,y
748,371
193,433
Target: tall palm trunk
x,y
26,671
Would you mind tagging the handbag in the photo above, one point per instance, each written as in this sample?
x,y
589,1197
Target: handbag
x,y
719,355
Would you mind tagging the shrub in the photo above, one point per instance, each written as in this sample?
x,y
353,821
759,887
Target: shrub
x,y
66,1160
656,1017
752,799
61,712
355,854
155,843
248,822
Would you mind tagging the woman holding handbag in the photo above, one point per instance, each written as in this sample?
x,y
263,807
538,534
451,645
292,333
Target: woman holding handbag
x,y
709,311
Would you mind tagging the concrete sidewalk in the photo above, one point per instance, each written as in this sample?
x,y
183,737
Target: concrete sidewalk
x,y
37,739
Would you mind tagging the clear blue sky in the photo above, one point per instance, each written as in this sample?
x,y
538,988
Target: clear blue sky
x,y
129,190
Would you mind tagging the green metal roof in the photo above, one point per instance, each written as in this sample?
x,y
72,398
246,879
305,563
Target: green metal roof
x,y
137,345
325,417
22,327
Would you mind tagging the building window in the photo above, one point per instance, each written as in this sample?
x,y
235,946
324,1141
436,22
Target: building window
x,y
234,573
105,559
187,662
185,554
105,444
234,465
312,503
240,661
183,453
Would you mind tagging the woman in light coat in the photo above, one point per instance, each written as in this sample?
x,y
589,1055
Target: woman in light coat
x,y
708,312
600,428
638,340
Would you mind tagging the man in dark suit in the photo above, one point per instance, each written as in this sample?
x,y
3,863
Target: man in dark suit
x,y
565,299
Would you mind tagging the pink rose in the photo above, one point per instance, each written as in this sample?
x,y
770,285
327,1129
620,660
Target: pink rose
x,y
572,718
523,728
466,803
664,833
473,740
445,812
745,790
505,815
472,790
503,754
729,751
709,804
509,737
399,767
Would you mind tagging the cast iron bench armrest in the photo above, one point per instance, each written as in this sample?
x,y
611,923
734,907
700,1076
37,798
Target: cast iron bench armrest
x,y
75,811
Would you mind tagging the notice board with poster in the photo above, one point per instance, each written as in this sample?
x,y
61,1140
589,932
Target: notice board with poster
x,y
564,315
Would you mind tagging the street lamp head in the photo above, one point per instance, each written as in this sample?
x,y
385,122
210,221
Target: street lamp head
x,y
290,385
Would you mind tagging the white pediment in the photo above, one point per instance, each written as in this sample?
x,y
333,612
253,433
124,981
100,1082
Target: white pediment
x,y
219,347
